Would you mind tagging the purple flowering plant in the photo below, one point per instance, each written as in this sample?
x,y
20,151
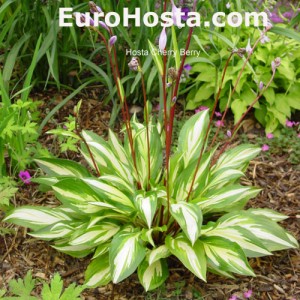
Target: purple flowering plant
x,y
148,198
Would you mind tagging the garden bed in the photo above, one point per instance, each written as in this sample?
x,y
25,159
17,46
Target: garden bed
x,y
277,275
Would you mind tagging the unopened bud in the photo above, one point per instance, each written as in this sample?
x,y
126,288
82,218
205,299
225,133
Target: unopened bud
x,y
94,8
172,73
276,63
134,64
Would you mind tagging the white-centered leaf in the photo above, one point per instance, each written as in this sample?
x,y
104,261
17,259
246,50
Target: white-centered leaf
x,y
153,275
189,218
146,204
125,255
191,136
98,272
36,217
158,253
192,257
226,255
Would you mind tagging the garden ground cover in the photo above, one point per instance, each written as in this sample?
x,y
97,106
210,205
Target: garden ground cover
x,y
277,275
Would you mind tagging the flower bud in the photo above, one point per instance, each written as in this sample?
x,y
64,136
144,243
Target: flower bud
x,y
134,64
172,73
162,40
94,8
112,40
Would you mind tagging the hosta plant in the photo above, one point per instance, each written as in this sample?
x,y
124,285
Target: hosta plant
x,y
143,199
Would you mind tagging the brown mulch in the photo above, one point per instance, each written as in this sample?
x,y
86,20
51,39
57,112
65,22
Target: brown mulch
x,y
277,277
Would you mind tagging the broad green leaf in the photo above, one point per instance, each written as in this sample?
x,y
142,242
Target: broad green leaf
x,y
189,218
271,235
250,244
191,136
158,253
153,275
226,255
156,57
226,199
193,257
146,204
62,167
101,250
36,217
125,255
98,272
54,290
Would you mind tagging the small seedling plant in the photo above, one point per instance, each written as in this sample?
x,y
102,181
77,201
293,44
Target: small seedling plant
x,y
145,200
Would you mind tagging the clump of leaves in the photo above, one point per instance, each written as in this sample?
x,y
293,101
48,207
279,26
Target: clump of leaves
x,y
23,289
145,200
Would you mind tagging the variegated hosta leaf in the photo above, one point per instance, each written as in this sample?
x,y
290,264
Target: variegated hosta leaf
x,y
222,178
76,194
108,163
78,251
98,272
62,167
250,244
271,235
229,198
125,255
268,213
141,151
175,168
95,235
111,195
153,275
146,204
193,257
236,158
191,136
158,253
118,183
184,181
101,249
119,150
55,231
226,255
36,217
189,217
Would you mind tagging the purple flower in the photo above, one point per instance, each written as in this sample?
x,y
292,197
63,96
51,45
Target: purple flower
x,y
248,47
229,133
233,297
176,14
112,40
228,5
275,18
186,11
261,85
25,177
103,25
289,123
270,136
201,108
264,148
220,123
218,114
94,8
248,294
162,40
187,68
